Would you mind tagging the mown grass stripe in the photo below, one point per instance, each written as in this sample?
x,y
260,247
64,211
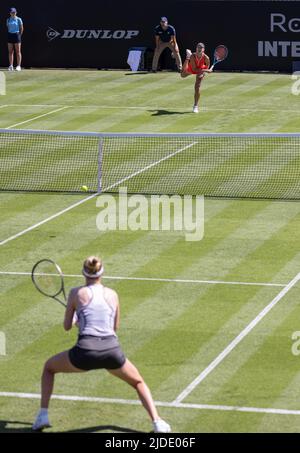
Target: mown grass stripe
x,y
231,382
31,257
235,342
236,249
142,310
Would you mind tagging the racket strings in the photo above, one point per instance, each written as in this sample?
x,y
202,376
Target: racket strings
x,y
220,53
47,278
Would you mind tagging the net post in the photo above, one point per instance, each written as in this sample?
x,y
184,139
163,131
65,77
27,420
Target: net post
x,y
100,159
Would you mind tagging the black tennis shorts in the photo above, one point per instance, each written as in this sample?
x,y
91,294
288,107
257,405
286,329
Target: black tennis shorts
x,y
102,353
14,38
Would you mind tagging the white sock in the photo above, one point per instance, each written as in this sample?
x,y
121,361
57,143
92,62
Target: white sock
x,y
43,411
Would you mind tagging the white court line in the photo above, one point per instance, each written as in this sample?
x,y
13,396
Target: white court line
x,y
233,109
154,279
157,403
2,106
37,117
236,341
54,216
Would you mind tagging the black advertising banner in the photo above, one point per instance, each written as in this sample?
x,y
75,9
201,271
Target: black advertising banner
x,y
260,35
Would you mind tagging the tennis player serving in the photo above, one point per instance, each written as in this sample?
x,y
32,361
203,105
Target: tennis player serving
x,y
196,63
98,314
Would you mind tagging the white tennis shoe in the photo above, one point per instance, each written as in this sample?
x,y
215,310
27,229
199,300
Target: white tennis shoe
x,y
196,109
160,426
41,422
188,54
18,68
10,68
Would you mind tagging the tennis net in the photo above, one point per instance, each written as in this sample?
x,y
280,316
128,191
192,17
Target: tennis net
x,y
214,165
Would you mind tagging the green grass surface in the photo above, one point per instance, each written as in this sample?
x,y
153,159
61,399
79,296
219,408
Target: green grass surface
x,y
171,330
125,102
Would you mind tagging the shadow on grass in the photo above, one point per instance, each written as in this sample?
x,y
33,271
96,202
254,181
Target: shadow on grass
x,y
113,428
4,428
138,73
14,429
166,112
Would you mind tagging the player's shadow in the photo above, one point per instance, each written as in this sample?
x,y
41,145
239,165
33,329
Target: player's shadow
x,y
15,429
137,73
26,428
166,112
113,428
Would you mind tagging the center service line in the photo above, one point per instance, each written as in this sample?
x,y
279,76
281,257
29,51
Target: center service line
x,y
121,181
236,341
149,166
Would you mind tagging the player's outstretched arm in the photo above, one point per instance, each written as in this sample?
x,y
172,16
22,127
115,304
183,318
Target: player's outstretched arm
x,y
207,64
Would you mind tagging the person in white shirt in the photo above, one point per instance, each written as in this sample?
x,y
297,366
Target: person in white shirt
x,y
95,309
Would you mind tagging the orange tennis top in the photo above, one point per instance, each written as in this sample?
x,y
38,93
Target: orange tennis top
x,y
199,62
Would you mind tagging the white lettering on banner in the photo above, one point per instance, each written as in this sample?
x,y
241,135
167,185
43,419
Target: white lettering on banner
x,y
106,34
52,34
131,34
69,34
279,21
119,34
279,49
95,34
91,34
81,34
276,22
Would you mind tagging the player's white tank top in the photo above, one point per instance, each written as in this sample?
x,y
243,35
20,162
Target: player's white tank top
x,y
97,317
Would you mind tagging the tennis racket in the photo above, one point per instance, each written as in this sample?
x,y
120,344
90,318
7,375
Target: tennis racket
x,y
48,279
220,54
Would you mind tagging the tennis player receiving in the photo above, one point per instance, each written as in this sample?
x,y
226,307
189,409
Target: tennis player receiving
x,y
196,63
98,313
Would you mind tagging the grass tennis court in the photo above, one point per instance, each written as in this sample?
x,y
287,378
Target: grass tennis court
x,y
182,303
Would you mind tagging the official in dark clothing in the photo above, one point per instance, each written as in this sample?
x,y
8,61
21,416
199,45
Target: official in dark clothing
x,y
165,36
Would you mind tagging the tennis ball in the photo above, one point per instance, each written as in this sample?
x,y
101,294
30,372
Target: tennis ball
x,y
84,188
